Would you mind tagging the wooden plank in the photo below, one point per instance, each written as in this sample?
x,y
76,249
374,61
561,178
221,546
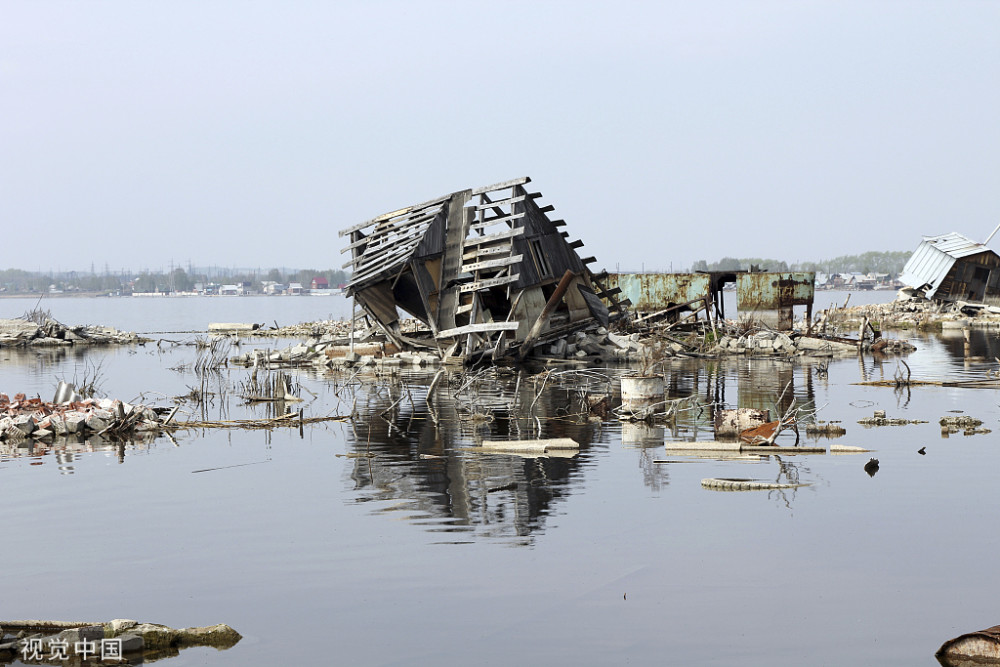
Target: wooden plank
x,y
499,202
464,308
558,223
493,263
481,327
488,250
490,282
377,239
502,185
499,236
588,260
576,244
393,214
547,209
486,222
610,292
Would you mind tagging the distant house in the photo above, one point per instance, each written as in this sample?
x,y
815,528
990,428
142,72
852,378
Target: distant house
x,y
319,282
272,287
295,288
952,267
230,290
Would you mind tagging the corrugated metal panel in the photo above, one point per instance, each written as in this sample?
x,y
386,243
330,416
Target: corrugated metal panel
x,y
934,257
928,265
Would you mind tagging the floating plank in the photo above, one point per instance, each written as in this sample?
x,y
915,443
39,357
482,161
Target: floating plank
x,y
537,446
499,236
493,263
500,202
502,185
481,327
492,282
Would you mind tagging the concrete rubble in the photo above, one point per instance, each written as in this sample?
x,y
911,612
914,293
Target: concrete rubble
x,y
24,420
121,641
20,333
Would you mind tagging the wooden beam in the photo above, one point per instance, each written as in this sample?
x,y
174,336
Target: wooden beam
x,y
482,327
499,236
488,250
576,244
499,202
486,222
493,263
502,185
547,209
489,282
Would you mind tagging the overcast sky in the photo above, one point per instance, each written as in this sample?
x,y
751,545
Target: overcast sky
x,y
135,134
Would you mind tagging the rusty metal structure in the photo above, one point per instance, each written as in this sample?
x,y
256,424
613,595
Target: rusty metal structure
x,y
480,268
769,298
952,267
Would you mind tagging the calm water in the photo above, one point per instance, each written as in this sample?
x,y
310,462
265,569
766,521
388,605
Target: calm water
x,y
386,542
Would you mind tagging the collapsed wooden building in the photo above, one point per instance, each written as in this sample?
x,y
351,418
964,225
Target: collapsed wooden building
x,y
485,270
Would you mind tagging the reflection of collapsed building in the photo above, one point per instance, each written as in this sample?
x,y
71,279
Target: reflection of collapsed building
x,y
952,267
485,270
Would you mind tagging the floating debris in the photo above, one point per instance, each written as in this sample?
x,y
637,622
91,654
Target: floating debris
x,y
736,484
23,332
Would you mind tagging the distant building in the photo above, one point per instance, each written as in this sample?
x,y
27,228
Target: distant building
x,y
952,267
319,282
295,288
230,290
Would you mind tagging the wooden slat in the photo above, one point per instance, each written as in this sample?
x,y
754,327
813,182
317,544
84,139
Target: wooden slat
x,y
392,214
493,263
547,209
464,308
610,292
499,236
482,327
558,223
500,202
491,282
495,219
502,185
576,244
588,260
487,251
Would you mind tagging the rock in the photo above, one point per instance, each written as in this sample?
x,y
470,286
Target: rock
x,y
119,625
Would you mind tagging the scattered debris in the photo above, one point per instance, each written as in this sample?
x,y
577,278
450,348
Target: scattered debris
x,y
23,332
826,429
879,419
967,425
550,446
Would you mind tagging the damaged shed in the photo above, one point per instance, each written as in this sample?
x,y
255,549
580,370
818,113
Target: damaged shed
x,y
484,269
952,267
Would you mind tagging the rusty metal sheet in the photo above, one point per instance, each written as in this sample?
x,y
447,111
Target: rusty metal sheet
x,y
658,291
773,290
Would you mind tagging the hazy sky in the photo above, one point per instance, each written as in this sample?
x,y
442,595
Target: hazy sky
x,y
136,133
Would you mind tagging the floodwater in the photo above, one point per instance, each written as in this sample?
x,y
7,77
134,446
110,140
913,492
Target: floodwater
x,y
387,541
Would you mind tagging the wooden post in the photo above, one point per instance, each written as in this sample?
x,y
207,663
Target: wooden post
x,y
546,313
354,307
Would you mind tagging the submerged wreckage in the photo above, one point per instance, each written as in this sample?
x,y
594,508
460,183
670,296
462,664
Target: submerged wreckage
x,y
484,270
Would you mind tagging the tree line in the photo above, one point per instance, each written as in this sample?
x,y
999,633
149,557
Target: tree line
x,y
890,262
18,281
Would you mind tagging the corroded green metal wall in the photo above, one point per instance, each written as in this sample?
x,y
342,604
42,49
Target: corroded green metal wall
x,y
658,291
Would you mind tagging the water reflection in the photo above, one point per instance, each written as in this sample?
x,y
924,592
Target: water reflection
x,y
65,450
424,455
